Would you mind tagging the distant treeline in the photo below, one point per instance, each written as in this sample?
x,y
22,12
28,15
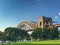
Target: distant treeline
x,y
15,34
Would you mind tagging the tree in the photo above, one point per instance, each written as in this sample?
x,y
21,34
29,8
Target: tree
x,y
1,35
54,33
10,33
14,34
46,33
37,33
22,34
59,34
50,33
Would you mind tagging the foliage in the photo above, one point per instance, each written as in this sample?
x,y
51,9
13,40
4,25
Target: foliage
x,y
45,34
1,35
37,33
14,34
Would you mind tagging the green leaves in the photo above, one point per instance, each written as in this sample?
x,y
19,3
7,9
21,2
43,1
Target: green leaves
x,y
37,33
13,34
45,34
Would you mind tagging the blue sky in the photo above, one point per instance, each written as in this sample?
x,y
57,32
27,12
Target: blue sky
x,y
12,12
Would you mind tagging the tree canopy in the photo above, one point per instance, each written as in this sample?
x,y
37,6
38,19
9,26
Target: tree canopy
x,y
13,34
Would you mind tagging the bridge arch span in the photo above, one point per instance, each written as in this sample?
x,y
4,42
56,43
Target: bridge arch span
x,y
27,25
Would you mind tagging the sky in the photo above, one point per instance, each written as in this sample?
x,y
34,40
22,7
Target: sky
x,y
12,12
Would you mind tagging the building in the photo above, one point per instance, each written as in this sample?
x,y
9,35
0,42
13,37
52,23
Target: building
x,y
44,22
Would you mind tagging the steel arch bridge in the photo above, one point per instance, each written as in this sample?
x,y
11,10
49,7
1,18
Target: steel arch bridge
x,y
27,25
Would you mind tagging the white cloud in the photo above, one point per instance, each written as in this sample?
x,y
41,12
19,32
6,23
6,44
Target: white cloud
x,y
59,13
56,17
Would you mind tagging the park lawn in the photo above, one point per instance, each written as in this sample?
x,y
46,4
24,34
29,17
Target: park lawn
x,y
46,42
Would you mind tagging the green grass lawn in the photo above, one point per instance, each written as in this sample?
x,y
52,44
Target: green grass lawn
x,y
47,42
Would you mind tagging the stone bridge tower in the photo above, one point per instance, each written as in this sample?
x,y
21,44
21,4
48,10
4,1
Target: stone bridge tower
x,y
44,22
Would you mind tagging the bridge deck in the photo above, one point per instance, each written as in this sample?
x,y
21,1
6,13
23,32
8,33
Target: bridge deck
x,y
57,25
